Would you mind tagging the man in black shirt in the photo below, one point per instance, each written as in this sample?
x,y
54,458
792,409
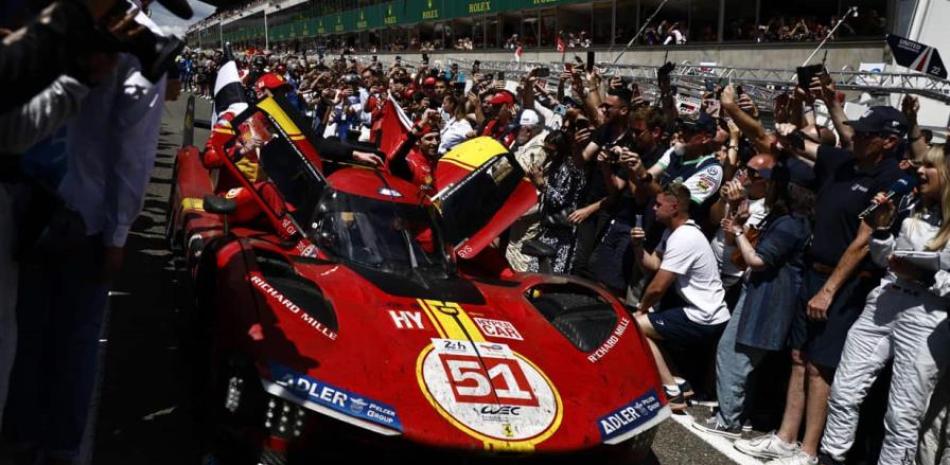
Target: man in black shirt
x,y
839,275
599,199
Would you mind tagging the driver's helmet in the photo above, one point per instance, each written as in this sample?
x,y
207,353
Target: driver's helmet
x,y
259,62
271,81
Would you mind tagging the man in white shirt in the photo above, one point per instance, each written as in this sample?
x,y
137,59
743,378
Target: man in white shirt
x,y
684,261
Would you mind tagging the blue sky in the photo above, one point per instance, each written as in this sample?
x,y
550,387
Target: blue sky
x,y
174,24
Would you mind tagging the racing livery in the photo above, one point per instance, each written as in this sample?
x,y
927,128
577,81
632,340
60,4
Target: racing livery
x,y
341,308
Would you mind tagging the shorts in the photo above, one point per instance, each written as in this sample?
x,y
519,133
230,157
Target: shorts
x,y
678,331
825,339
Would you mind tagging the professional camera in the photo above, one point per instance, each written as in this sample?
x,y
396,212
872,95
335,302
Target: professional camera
x,y
155,51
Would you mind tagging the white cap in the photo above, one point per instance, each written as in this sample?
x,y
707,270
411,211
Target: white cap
x,y
529,118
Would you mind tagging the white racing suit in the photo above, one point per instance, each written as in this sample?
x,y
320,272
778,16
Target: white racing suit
x,y
896,322
934,447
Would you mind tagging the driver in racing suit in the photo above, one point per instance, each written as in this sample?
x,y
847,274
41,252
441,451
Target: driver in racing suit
x,y
252,135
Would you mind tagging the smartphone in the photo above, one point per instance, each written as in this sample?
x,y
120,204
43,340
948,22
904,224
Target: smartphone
x,y
797,140
459,88
806,73
569,67
543,72
425,58
581,124
590,60
501,75
739,90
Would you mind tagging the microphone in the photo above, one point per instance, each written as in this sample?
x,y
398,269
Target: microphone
x,y
901,187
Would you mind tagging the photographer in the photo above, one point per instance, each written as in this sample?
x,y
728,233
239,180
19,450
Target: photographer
x,y
561,181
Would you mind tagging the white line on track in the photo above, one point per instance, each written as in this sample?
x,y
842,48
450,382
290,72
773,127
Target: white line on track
x,y
719,443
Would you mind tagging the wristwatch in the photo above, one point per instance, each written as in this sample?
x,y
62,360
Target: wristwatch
x,y
738,233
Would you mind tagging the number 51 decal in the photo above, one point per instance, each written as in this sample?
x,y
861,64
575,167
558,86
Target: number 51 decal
x,y
499,380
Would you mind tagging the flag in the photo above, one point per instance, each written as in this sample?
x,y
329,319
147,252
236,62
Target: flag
x,y
560,44
391,127
228,91
916,56
518,52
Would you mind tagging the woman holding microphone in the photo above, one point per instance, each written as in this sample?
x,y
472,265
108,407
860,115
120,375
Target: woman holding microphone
x,y
899,319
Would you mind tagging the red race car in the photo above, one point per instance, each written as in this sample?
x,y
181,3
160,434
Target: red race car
x,y
344,312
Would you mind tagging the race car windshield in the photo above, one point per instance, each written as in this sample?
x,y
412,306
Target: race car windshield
x,y
383,235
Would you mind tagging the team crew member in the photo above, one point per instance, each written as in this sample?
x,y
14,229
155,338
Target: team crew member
x,y
416,157
838,277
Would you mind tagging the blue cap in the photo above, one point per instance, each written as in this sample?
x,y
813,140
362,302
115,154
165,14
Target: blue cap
x,y
881,119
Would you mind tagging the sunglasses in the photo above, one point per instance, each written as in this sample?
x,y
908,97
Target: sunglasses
x,y
754,174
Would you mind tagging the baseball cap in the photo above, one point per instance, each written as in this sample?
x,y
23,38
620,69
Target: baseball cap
x,y
881,119
529,118
701,123
502,97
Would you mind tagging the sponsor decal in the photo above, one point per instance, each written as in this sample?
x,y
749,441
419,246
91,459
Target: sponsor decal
x,y
389,192
335,398
466,252
233,192
611,341
490,392
280,300
629,416
498,328
288,225
404,319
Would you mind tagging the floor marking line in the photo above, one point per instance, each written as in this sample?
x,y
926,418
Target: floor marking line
x,y
719,443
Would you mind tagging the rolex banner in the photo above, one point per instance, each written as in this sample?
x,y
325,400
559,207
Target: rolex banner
x,y
916,56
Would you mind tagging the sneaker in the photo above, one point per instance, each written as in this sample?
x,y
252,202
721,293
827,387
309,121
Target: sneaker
x,y
800,458
676,402
747,426
767,446
825,459
713,426
686,389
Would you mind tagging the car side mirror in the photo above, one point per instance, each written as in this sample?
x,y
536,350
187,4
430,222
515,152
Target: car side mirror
x,y
220,206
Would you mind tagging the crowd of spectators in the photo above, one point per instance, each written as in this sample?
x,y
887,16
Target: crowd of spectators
x,y
805,28
723,236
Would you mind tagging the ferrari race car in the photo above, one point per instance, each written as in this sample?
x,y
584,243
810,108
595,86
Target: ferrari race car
x,y
344,312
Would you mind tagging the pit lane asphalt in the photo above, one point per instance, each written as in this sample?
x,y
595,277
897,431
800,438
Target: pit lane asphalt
x,y
143,406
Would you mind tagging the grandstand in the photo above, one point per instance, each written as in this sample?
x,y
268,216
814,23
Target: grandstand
x,y
742,37
715,30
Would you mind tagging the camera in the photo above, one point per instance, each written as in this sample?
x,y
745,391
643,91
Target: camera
x,y
155,52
